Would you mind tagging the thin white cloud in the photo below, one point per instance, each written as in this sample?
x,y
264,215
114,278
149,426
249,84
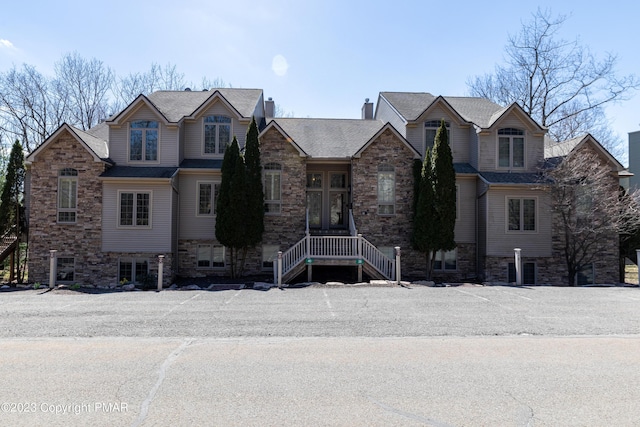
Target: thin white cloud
x,y
6,44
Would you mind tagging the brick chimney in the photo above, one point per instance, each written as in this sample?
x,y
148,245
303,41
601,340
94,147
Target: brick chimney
x,y
367,110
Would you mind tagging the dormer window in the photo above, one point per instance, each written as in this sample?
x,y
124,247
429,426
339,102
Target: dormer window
x,y
430,130
143,141
217,134
510,148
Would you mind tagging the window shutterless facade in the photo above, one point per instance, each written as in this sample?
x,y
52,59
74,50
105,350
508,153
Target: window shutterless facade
x,y
134,209
67,195
386,189
143,141
521,214
510,148
206,198
217,134
272,188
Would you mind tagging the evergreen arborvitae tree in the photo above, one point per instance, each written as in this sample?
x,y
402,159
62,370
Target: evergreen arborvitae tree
x,y
11,199
225,212
424,226
435,207
444,176
255,193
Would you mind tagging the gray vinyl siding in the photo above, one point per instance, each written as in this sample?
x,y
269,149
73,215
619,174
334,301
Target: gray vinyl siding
x,y
465,231
385,114
167,145
458,136
534,148
482,218
194,132
156,239
193,226
473,147
501,242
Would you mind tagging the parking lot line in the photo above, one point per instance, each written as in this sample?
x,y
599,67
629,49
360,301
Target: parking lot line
x,y
326,297
473,295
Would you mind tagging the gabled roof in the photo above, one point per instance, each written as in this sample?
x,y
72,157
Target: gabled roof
x,y
411,105
97,147
174,105
555,151
330,138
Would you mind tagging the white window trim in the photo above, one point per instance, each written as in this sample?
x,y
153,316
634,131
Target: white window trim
x,y
213,198
506,217
524,149
134,226
217,153
143,161
59,209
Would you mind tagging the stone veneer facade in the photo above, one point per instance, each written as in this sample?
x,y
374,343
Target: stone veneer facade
x,y
80,240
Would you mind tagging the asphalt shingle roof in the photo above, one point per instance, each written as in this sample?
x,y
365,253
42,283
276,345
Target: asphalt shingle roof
x,y
175,105
412,104
201,164
330,138
139,172
512,177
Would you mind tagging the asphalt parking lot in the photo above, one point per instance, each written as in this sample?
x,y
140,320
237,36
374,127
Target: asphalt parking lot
x,y
356,355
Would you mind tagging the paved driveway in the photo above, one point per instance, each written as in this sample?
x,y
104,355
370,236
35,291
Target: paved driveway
x,y
458,356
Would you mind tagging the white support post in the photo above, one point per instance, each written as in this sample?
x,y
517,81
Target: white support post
x,y
518,263
52,268
398,275
160,271
279,269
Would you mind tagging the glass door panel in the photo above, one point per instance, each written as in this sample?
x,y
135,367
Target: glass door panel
x,y
337,204
314,205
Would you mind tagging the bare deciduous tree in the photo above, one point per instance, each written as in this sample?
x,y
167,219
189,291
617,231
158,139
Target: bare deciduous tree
x,y
85,84
589,208
28,108
560,83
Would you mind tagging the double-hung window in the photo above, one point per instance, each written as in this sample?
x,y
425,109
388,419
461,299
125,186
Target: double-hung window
x,y
386,189
217,134
207,192
430,129
510,148
143,141
521,214
134,209
67,195
272,188
210,256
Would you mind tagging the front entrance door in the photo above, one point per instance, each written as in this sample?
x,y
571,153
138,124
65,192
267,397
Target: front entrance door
x,y
327,199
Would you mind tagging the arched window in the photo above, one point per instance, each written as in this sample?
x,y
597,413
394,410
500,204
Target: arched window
x,y
272,188
510,148
386,189
67,195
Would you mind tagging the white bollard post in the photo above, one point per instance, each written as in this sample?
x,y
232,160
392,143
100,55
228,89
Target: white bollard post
x,y
160,271
279,269
52,268
398,275
518,263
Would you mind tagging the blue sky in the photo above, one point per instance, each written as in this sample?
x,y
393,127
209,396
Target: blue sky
x,y
315,58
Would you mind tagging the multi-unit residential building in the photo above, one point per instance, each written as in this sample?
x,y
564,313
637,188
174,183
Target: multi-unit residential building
x,y
143,183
